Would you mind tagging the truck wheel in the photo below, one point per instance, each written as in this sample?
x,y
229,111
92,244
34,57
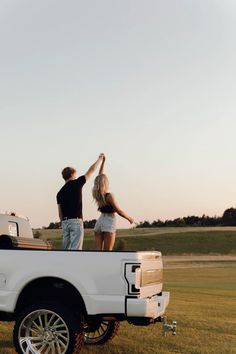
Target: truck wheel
x,y
48,328
100,332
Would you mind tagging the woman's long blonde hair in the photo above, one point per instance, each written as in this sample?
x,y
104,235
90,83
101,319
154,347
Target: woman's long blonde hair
x,y
100,188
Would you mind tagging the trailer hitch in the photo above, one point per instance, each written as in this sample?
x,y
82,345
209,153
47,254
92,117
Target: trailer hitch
x,y
166,327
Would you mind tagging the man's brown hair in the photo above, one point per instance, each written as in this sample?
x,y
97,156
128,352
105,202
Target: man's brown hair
x,y
67,172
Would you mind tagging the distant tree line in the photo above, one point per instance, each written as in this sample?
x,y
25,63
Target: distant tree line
x,y
227,219
88,224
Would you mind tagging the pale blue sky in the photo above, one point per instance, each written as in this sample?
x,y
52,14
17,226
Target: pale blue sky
x,y
150,83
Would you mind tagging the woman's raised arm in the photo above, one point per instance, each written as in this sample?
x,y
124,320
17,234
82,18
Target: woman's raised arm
x,y
101,170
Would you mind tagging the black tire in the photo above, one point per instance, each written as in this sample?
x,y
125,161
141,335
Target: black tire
x,y
100,332
48,328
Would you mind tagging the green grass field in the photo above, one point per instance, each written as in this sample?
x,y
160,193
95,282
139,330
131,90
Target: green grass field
x,y
203,297
167,240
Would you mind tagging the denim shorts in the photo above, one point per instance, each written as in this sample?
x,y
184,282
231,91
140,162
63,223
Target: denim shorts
x,y
105,223
73,234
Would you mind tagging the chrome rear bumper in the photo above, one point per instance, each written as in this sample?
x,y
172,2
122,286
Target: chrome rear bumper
x,y
153,307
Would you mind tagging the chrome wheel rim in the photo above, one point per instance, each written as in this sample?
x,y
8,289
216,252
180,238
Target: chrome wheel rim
x,y
96,335
44,332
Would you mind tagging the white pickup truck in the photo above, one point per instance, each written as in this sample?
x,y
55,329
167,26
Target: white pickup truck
x,y
60,300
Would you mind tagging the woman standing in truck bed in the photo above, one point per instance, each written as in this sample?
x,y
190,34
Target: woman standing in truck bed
x,y
105,227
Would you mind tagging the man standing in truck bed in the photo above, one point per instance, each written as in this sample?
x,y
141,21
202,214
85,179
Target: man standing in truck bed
x,y
69,200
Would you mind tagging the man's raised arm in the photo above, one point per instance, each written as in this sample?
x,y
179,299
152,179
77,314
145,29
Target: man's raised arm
x,y
93,167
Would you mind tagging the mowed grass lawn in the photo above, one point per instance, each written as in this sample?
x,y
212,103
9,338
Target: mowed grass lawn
x,y
203,301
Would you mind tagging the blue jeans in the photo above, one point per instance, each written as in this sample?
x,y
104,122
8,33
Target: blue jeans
x,y
73,234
